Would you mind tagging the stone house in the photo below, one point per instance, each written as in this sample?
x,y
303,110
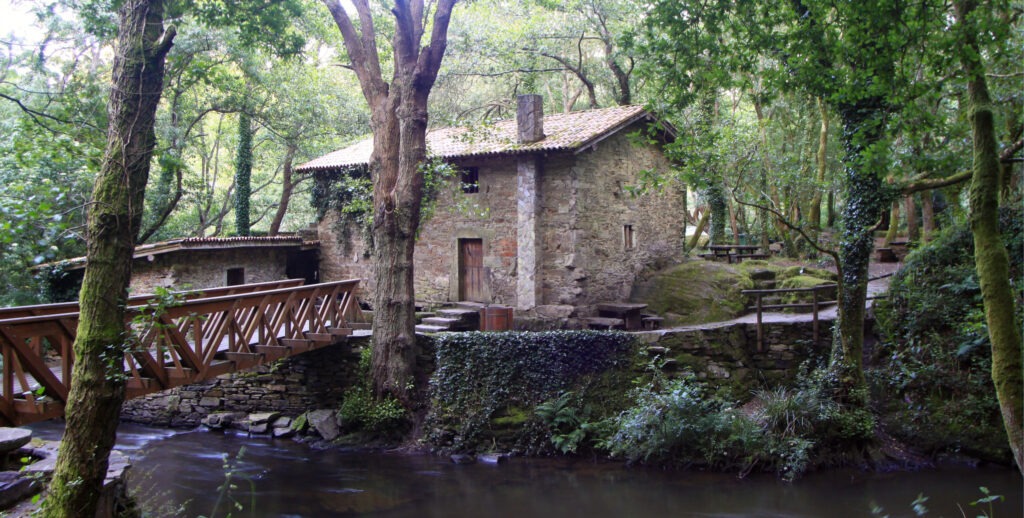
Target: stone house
x,y
210,262
544,215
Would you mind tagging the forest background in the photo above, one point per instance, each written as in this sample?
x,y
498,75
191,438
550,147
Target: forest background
x,y
787,116
747,135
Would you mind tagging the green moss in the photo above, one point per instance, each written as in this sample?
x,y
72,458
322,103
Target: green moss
x,y
803,271
695,292
513,417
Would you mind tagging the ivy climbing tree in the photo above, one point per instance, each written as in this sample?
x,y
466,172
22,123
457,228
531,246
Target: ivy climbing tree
x,y
243,174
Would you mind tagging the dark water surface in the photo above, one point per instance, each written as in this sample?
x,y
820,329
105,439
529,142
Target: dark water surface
x,y
284,479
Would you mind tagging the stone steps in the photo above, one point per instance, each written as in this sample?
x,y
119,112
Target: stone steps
x,y
465,316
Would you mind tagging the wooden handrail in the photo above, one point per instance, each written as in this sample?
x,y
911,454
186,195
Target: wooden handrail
x,y
815,305
72,307
172,346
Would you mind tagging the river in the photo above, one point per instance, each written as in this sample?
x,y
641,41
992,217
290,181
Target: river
x,y
178,473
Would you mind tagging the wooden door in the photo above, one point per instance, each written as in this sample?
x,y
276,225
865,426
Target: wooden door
x,y
471,270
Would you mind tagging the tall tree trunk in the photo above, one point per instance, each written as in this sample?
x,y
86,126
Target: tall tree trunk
x,y
990,256
894,223
927,216
243,174
702,223
714,191
913,231
822,162
115,213
399,123
863,128
287,187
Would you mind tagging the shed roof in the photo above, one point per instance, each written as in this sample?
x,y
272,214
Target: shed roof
x,y
573,131
202,243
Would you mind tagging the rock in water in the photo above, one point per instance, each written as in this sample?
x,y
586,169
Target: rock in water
x,y
13,438
493,458
461,458
325,423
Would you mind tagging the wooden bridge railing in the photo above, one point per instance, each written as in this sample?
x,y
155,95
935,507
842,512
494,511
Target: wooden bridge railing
x,y
815,305
186,343
135,300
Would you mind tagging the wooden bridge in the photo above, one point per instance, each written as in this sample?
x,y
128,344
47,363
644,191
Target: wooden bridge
x,y
197,337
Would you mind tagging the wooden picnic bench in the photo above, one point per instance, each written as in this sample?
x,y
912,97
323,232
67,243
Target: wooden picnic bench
x,y
627,311
735,253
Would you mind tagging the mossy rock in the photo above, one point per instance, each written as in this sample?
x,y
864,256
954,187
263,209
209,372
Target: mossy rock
x,y
804,271
695,292
806,297
761,269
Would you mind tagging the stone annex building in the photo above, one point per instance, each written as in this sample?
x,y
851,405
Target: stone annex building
x,y
555,228
207,262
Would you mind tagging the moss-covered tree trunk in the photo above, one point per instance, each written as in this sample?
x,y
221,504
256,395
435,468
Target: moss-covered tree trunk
x,y
894,223
821,163
990,256
399,122
115,212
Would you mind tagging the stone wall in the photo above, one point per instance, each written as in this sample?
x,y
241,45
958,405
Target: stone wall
x,y
291,386
207,268
584,204
727,355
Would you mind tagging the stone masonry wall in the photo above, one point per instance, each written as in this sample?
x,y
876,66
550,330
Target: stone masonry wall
x,y
598,266
207,268
584,203
727,355
291,386
488,215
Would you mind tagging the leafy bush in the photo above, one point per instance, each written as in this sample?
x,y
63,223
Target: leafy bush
x,y
484,381
678,423
934,373
362,412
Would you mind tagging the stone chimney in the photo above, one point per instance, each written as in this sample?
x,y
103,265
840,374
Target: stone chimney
x,y
530,118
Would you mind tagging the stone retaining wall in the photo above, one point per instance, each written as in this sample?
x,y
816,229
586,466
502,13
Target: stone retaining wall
x,y
728,355
290,386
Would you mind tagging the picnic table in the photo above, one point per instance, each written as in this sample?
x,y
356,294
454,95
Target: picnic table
x,y
629,313
736,252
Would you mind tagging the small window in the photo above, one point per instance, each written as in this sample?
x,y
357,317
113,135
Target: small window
x,y
628,238
236,276
470,179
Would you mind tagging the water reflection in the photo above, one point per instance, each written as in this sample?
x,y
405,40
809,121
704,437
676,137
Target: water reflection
x,y
285,479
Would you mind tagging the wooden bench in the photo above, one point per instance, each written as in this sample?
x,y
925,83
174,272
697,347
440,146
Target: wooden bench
x,y
605,323
651,322
886,255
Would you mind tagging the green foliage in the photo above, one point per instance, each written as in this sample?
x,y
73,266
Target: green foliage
x,y
361,412
567,417
680,423
934,374
350,195
484,376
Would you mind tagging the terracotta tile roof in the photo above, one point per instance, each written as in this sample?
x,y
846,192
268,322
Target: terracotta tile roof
x,y
572,131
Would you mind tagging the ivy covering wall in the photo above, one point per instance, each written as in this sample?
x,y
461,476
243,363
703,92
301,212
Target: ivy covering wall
x,y
487,385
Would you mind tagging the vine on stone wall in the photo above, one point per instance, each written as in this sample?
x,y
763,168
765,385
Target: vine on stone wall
x,y
488,379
